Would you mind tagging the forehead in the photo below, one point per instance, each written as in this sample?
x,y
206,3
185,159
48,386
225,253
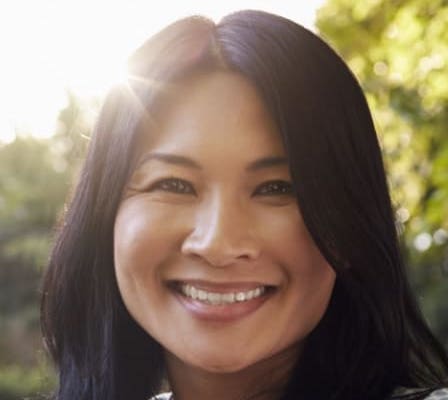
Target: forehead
x,y
213,109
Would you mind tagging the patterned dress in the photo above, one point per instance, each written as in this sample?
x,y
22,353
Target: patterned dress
x,y
439,394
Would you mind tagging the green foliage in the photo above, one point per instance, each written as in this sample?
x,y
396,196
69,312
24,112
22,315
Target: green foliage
x,y
398,51
17,382
35,179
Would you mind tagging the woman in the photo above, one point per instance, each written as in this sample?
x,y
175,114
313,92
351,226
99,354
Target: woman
x,y
232,235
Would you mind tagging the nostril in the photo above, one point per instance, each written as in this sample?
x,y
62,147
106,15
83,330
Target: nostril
x,y
221,243
244,257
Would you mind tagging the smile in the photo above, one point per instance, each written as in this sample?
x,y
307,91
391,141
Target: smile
x,y
223,302
215,298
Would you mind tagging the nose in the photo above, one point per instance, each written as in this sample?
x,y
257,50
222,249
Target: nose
x,y
223,234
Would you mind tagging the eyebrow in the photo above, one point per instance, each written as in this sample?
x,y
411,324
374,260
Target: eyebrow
x,y
170,159
176,159
266,162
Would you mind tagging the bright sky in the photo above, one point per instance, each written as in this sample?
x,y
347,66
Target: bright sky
x,y
49,46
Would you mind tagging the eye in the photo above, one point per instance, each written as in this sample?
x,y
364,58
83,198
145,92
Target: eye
x,y
173,185
273,188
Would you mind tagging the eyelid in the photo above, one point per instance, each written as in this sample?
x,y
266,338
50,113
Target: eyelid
x,y
284,188
170,181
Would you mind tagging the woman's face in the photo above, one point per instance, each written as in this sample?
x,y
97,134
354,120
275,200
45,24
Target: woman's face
x,y
212,256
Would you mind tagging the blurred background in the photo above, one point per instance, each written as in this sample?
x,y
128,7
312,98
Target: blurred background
x,y
59,57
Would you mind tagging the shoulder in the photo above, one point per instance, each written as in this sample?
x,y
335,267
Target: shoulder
x,y
439,394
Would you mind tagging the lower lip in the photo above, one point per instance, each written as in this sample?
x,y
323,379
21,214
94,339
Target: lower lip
x,y
223,312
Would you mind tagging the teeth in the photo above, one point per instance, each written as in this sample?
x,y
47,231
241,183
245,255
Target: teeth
x,y
228,298
240,296
220,298
202,295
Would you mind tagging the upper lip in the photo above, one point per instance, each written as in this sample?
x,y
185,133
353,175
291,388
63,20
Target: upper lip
x,y
219,286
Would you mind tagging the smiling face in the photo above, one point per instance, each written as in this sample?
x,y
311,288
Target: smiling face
x,y
212,256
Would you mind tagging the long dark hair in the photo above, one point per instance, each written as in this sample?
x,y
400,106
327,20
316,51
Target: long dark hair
x,y
372,337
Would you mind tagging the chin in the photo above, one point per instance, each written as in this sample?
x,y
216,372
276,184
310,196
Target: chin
x,y
222,365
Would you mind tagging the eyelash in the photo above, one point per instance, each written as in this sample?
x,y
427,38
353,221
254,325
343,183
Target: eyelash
x,y
173,185
271,188
180,186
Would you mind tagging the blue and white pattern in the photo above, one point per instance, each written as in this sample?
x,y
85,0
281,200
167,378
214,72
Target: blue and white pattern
x,y
163,396
440,394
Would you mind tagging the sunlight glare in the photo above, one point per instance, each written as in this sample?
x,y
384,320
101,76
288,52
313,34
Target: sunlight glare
x,y
82,46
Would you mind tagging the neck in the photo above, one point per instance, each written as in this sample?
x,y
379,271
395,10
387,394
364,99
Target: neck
x,y
264,380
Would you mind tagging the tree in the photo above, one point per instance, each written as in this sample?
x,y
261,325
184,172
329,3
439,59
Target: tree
x,y
35,179
398,50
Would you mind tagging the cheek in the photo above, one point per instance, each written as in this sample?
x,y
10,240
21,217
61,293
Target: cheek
x,y
306,266
144,236
145,239
286,236
309,278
